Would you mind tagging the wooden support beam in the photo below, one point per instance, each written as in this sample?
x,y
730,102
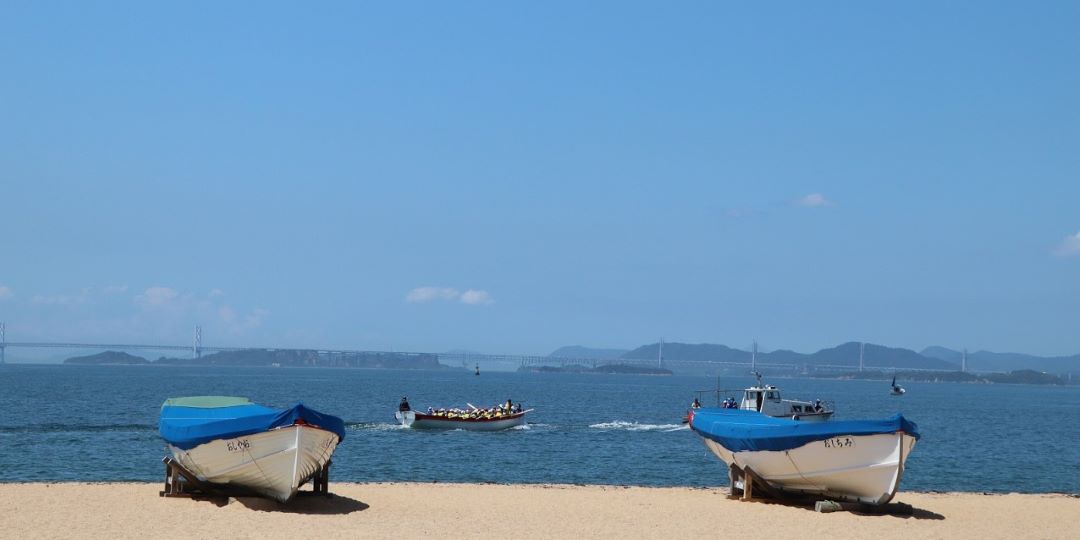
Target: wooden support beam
x,y
735,475
767,489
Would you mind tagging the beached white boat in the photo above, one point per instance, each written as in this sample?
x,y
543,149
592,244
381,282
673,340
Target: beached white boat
x,y
235,443
418,420
851,460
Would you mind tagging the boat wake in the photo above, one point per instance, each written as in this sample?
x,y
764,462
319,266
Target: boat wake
x,y
621,425
375,426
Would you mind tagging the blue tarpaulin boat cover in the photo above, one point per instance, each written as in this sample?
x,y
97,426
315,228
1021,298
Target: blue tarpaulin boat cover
x,y
188,422
739,430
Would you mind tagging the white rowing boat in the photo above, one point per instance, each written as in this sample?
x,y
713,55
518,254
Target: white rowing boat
x,y
417,420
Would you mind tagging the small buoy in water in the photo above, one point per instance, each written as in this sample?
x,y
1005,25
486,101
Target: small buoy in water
x,y
477,369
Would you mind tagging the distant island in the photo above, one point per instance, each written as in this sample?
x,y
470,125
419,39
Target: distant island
x,y
275,358
609,369
703,357
932,363
107,358
1021,376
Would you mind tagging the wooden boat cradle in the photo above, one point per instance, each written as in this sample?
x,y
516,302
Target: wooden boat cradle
x,y
180,482
751,481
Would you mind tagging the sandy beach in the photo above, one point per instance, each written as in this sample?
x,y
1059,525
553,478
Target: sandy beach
x,y
510,511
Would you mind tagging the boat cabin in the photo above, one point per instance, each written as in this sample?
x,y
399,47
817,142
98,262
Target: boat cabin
x,y
765,399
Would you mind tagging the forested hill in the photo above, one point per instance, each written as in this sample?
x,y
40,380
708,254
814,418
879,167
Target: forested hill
x,y
840,355
577,351
996,361
107,358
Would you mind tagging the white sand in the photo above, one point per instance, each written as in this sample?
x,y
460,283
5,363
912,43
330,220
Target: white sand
x,y
512,511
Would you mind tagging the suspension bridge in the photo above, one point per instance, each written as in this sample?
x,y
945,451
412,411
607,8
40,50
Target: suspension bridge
x,y
340,357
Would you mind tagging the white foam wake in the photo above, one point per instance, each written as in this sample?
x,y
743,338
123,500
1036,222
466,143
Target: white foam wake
x,y
634,426
376,426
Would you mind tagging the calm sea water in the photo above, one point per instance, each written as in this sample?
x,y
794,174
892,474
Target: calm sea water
x,y
78,423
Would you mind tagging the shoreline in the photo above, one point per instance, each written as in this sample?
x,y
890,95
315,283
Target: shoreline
x,y
544,485
128,510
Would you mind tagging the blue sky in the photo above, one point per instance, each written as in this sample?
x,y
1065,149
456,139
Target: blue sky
x,y
513,177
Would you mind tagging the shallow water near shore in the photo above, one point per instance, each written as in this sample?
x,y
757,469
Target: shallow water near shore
x,y
99,423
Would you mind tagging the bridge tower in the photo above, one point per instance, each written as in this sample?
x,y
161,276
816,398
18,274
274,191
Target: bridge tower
x,y
862,346
963,362
660,355
753,357
3,342
196,348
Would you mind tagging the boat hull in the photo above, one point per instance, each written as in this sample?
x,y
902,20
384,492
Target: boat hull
x,y
415,420
272,463
863,468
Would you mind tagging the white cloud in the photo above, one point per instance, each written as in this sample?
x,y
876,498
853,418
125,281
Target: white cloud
x,y
430,294
115,289
227,314
51,300
472,297
214,293
255,318
1069,246
813,200
157,297
5,292
476,297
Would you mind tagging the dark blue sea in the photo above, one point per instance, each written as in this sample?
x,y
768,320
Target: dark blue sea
x,y
83,423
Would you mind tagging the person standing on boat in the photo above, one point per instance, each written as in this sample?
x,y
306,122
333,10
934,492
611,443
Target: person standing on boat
x,y
404,405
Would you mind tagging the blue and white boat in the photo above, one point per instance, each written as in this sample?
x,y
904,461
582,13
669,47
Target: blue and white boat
x,y
851,460
231,441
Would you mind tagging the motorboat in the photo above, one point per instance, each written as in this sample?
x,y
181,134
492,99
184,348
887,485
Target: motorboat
x,y
233,442
850,460
765,399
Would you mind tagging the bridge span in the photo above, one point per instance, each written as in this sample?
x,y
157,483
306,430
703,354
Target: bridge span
x,y
196,349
